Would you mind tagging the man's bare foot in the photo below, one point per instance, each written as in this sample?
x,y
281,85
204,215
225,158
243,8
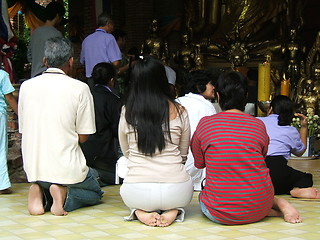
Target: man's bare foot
x,y
35,200
311,193
167,218
290,214
6,191
148,218
59,194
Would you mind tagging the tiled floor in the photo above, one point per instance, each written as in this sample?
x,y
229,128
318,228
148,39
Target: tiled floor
x,y
105,221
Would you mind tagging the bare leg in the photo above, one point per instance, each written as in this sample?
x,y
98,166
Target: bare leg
x,y
283,208
35,200
310,192
58,194
148,218
167,218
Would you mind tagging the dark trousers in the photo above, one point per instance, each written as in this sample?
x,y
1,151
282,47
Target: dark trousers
x,y
284,177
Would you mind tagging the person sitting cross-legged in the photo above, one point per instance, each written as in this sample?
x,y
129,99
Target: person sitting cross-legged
x,y
232,146
284,140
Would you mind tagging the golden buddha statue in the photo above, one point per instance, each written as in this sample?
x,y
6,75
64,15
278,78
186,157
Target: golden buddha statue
x,y
252,16
186,56
202,16
154,45
312,55
256,20
315,73
308,99
198,59
313,63
312,71
293,52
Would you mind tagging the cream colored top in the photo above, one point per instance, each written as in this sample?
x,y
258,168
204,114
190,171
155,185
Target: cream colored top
x,y
53,110
167,166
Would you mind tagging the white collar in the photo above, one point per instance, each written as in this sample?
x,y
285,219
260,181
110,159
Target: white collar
x,y
54,70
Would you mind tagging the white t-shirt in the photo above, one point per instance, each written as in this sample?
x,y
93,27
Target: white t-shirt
x,y
53,110
197,107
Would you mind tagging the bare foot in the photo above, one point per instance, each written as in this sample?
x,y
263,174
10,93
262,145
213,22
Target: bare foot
x,y
167,218
310,192
6,191
148,218
59,194
290,214
35,200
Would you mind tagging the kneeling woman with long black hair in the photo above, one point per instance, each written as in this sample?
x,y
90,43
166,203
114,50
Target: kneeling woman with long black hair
x,y
154,134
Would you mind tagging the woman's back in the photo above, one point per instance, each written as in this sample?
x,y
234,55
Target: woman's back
x,y
164,166
283,139
238,187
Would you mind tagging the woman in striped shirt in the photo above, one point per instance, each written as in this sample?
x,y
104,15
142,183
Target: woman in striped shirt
x,y
232,146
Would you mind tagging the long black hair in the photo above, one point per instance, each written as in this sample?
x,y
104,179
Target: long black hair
x,y
147,105
232,89
284,107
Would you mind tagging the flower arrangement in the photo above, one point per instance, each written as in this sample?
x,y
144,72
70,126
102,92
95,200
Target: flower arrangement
x,y
313,125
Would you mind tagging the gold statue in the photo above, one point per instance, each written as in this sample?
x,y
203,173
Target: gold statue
x,y
186,56
311,71
202,16
293,54
154,45
308,101
315,76
237,50
313,55
251,15
198,59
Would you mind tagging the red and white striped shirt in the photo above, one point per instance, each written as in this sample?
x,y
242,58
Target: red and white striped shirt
x,y
232,147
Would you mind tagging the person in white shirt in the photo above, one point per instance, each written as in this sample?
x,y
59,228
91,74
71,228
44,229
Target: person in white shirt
x,y
200,91
56,113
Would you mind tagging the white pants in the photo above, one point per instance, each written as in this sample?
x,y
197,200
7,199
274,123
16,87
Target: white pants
x,y
156,196
197,175
4,176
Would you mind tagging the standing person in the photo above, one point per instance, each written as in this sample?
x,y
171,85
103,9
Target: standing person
x,y
54,13
284,140
100,46
56,112
232,146
200,91
6,96
154,136
121,85
101,149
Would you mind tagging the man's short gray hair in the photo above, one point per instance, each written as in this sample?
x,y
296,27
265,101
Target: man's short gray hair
x,y
104,19
57,51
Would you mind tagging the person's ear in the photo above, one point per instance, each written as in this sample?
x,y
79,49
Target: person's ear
x,y
71,62
44,60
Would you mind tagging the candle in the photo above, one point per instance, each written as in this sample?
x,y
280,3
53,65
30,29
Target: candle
x,y
285,87
263,83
